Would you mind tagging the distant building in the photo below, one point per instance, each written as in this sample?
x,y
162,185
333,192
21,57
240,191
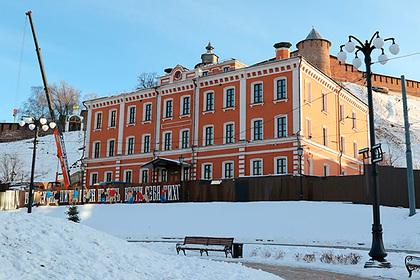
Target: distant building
x,y
224,119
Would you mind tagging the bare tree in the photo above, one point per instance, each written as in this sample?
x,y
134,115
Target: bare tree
x,y
146,80
64,98
11,168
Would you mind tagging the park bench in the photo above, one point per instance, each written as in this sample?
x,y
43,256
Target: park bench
x,y
205,244
412,263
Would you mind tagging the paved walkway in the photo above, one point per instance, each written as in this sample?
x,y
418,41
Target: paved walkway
x,y
292,273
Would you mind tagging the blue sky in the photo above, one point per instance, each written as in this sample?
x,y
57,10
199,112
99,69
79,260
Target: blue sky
x,y
101,46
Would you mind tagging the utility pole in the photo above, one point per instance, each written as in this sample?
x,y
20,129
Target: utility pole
x,y
409,159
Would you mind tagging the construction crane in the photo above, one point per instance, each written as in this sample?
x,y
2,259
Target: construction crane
x,y
58,135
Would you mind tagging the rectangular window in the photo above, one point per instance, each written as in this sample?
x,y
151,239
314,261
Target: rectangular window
x,y
111,148
258,93
207,172
205,73
208,136
324,136
229,133
308,91
108,177
209,101
132,115
230,98
130,145
281,166
281,126
128,176
226,69
168,141
147,112
164,175
354,119
96,149
341,113
98,122
185,139
146,144
145,176
168,110
186,174
257,167
228,167
342,144
113,119
281,89
94,178
324,102
326,170
258,130
355,151
308,128
185,105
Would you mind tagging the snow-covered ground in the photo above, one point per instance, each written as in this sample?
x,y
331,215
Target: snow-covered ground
x,y
46,158
40,247
260,223
389,123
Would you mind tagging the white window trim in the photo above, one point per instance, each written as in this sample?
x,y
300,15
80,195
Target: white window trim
x,y
181,107
307,91
354,120
252,92
223,169
252,128
110,117
275,89
341,113
128,114
324,94
326,168
180,138
165,102
343,144
125,175
326,135
143,141
225,95
251,166
91,178
205,100
95,125
308,127
211,170
126,144
141,175
93,149
204,135
144,111
225,131
276,126
163,140
276,166
107,146
105,175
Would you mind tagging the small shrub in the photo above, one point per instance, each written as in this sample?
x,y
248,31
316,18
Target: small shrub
x,y
73,214
309,258
330,258
279,255
254,253
267,254
327,257
354,258
298,257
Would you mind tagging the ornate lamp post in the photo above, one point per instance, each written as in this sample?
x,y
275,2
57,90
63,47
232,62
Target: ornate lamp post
x,y
377,251
35,125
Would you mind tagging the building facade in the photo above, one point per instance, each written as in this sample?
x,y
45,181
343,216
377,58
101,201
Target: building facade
x,y
224,120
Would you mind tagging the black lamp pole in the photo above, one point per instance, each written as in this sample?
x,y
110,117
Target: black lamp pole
x,y
31,185
377,251
300,154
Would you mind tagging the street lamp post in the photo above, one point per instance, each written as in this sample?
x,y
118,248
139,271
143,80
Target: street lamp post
x,y
377,251
300,154
35,125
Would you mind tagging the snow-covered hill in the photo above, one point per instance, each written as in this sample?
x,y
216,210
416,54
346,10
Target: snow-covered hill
x,y
389,123
46,158
39,247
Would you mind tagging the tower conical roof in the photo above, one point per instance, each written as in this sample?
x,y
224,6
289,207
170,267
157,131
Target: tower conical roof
x,y
313,35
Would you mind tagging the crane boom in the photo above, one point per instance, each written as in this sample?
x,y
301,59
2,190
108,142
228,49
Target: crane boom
x,y
58,135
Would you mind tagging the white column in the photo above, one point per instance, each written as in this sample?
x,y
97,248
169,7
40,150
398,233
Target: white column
x,y
121,123
296,100
158,119
242,107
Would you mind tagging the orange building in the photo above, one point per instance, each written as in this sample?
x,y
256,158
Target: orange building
x,y
226,120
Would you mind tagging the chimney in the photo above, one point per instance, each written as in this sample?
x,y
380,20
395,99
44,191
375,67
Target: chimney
x,y
282,50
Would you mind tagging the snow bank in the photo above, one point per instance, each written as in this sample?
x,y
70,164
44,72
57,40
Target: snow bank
x,y
46,157
326,223
40,247
389,123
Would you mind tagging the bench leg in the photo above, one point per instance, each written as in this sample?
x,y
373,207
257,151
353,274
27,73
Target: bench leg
x,y
183,250
201,253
